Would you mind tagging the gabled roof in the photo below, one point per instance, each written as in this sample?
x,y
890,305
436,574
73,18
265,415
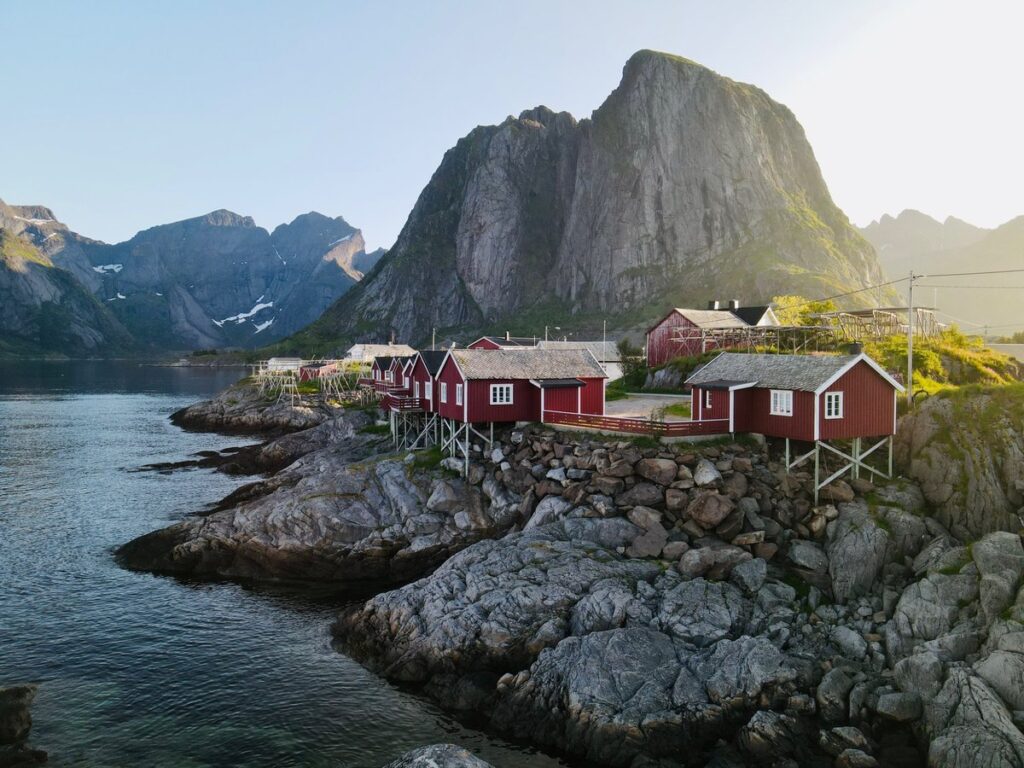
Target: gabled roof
x,y
530,363
383,362
368,352
754,315
511,341
400,362
432,359
604,351
705,318
808,373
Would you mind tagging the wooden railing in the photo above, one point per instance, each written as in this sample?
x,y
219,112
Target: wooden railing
x,y
638,426
392,402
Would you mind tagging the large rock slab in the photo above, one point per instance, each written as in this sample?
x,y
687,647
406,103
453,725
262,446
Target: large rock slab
x,y
329,520
439,756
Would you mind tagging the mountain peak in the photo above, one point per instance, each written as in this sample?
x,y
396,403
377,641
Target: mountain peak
x,y
225,218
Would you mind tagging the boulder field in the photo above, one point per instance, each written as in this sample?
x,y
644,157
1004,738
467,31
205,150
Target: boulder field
x,y
15,725
637,604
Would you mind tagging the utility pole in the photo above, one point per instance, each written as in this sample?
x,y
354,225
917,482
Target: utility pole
x,y
910,342
604,335
545,333
433,339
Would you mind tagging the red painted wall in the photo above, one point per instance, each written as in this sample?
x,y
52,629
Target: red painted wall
x,y
757,416
483,344
592,397
868,405
563,400
421,376
719,405
449,374
660,348
525,401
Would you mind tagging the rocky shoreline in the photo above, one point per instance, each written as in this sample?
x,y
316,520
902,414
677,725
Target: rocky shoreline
x,y
635,604
15,726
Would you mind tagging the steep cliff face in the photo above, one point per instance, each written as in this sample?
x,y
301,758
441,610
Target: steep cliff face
x,y
212,281
45,310
682,185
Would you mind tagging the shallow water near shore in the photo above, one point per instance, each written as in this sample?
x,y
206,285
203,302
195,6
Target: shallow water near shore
x,y
136,669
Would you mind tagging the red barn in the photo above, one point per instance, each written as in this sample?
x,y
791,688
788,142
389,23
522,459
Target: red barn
x,y
678,333
510,385
799,397
503,342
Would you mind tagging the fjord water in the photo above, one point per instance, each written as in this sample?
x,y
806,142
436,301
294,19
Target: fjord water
x,y
135,669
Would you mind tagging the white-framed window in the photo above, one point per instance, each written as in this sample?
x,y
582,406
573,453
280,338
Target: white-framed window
x,y
415,389
444,392
389,375
458,394
501,394
429,390
833,405
782,402
405,382
707,399
376,374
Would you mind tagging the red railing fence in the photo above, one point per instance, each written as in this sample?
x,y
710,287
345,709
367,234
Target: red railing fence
x,y
638,426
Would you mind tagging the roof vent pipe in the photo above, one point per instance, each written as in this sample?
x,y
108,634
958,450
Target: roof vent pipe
x,y
714,304
734,304
508,336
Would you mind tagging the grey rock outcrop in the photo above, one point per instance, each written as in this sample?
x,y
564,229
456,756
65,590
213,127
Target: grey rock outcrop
x,y
439,756
967,455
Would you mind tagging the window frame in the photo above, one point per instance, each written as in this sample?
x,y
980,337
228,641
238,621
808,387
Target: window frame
x,y
389,376
458,394
838,399
502,388
444,391
779,399
707,400
428,389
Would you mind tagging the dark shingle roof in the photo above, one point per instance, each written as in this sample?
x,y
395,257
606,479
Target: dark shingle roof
x,y
802,372
432,359
529,363
751,315
383,362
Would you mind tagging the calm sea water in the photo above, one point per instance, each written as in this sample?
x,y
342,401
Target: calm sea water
x,y
143,670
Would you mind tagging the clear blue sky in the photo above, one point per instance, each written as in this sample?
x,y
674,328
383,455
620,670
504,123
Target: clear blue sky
x,y
124,115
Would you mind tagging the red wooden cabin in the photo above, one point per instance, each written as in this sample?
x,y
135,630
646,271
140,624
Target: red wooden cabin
x,y
423,375
799,397
512,385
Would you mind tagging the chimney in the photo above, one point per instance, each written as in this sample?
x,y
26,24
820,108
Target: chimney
x,y
855,348
734,304
508,336
714,304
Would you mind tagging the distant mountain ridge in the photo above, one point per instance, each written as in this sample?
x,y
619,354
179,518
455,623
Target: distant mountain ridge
x,y
683,185
914,240
216,280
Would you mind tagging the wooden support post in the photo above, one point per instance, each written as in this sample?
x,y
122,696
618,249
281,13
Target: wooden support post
x,y
890,457
817,464
787,455
490,444
465,472
856,458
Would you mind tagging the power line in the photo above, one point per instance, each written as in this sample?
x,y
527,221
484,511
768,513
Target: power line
x,y
849,293
959,287
968,274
